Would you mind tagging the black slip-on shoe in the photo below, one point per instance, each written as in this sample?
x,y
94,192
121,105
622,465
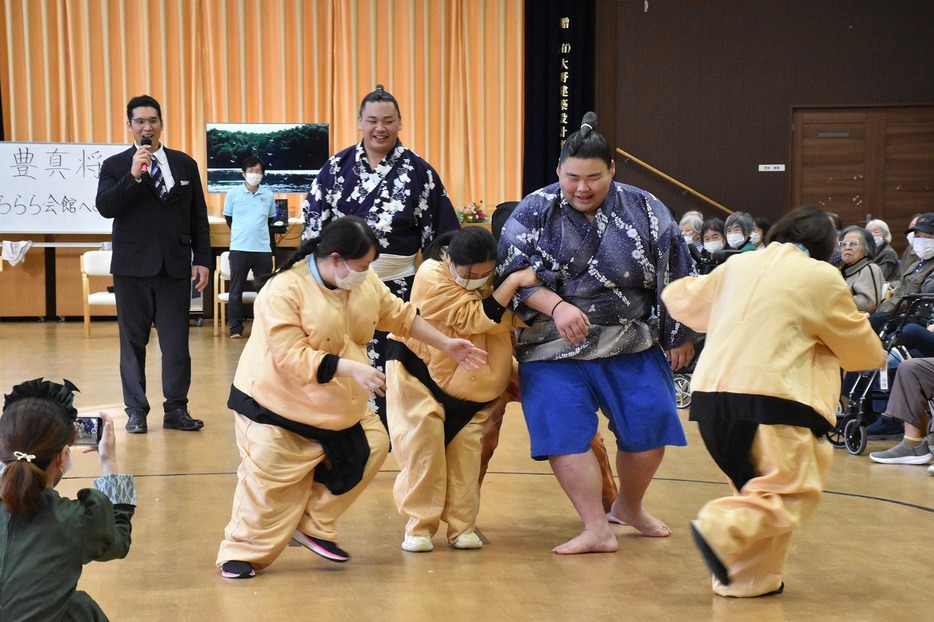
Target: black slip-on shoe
x,y
325,548
713,562
237,570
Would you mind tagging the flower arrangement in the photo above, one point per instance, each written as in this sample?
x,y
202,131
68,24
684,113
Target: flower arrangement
x,y
472,212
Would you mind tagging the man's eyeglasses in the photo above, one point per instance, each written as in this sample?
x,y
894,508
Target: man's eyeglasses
x,y
847,244
151,122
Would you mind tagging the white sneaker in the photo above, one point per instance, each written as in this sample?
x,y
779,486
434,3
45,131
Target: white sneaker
x,y
902,454
417,544
468,541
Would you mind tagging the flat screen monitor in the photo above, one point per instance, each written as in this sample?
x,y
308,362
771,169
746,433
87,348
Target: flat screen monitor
x,y
280,224
293,154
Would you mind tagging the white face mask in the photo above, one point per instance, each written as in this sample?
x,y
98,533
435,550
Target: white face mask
x,y
688,239
353,278
253,179
735,239
713,247
468,284
879,240
910,236
924,247
755,238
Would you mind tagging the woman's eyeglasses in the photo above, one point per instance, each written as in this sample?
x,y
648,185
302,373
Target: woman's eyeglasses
x,y
847,244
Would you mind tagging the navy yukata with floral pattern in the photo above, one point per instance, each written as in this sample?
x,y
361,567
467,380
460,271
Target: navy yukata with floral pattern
x,y
613,268
402,200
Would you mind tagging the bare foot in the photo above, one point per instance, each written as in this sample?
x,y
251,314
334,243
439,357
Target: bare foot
x,y
603,541
616,520
647,524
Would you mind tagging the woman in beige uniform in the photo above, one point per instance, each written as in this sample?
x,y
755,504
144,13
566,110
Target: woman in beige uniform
x,y
309,444
435,409
763,411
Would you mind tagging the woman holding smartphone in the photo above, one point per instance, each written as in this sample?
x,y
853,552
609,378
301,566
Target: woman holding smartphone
x,y
45,539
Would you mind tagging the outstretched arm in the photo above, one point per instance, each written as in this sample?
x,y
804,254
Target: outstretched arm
x,y
464,352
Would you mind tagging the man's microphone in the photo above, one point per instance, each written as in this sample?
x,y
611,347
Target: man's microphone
x,y
145,141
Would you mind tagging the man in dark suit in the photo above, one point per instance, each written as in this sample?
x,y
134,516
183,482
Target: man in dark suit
x,y
161,241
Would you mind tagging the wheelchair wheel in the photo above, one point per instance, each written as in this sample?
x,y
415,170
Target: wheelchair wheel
x,y
682,391
835,436
855,437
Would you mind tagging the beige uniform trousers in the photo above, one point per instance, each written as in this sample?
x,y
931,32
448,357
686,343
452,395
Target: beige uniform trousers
x,y
435,482
276,492
751,531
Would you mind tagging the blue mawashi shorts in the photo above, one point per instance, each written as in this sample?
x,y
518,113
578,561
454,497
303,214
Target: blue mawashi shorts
x,y
635,391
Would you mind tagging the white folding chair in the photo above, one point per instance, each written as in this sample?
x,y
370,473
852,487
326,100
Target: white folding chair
x,y
221,295
95,263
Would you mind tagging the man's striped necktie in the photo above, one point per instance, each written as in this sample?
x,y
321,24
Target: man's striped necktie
x,y
156,171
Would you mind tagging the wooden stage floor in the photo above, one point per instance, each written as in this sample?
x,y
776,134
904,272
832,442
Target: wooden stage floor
x,y
865,555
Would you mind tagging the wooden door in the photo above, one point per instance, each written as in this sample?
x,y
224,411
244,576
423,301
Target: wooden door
x,y
865,163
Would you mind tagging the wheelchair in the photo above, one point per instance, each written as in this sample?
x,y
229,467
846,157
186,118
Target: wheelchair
x,y
865,398
682,390
682,378
704,262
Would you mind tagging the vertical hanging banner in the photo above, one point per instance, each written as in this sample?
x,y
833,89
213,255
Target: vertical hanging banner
x,y
559,81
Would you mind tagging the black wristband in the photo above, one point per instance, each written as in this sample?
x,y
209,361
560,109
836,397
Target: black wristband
x,y
492,309
555,307
327,368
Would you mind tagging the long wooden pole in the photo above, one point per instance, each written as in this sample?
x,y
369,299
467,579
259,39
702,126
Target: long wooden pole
x,y
674,181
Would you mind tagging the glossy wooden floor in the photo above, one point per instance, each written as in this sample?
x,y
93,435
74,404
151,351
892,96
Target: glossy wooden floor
x,y
865,555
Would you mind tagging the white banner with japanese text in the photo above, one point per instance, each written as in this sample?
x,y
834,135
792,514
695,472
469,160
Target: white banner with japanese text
x,y
52,187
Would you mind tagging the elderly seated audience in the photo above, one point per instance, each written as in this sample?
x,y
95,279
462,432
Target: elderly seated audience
x,y
909,257
885,256
690,225
739,227
863,277
908,402
918,278
758,234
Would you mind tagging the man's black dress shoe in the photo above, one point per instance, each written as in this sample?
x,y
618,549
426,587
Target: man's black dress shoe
x,y
136,423
180,419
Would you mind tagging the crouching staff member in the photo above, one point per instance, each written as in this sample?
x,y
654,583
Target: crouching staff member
x,y
762,412
309,443
436,409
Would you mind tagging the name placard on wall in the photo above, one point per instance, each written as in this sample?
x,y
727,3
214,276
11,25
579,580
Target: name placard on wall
x,y
52,187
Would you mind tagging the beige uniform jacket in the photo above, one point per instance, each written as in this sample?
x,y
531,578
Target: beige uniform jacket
x,y
458,313
297,322
778,324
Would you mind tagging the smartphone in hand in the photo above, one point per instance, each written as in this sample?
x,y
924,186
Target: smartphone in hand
x,y
89,430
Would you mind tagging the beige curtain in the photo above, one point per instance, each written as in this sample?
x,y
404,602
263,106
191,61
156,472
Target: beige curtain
x,y
68,67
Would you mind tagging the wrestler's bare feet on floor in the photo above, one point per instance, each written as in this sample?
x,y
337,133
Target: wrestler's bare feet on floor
x,y
612,518
596,541
647,524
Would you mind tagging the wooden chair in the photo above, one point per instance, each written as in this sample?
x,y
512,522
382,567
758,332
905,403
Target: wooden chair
x,y
95,263
221,295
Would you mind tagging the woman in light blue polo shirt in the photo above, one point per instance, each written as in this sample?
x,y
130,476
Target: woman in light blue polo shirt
x,y
249,211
